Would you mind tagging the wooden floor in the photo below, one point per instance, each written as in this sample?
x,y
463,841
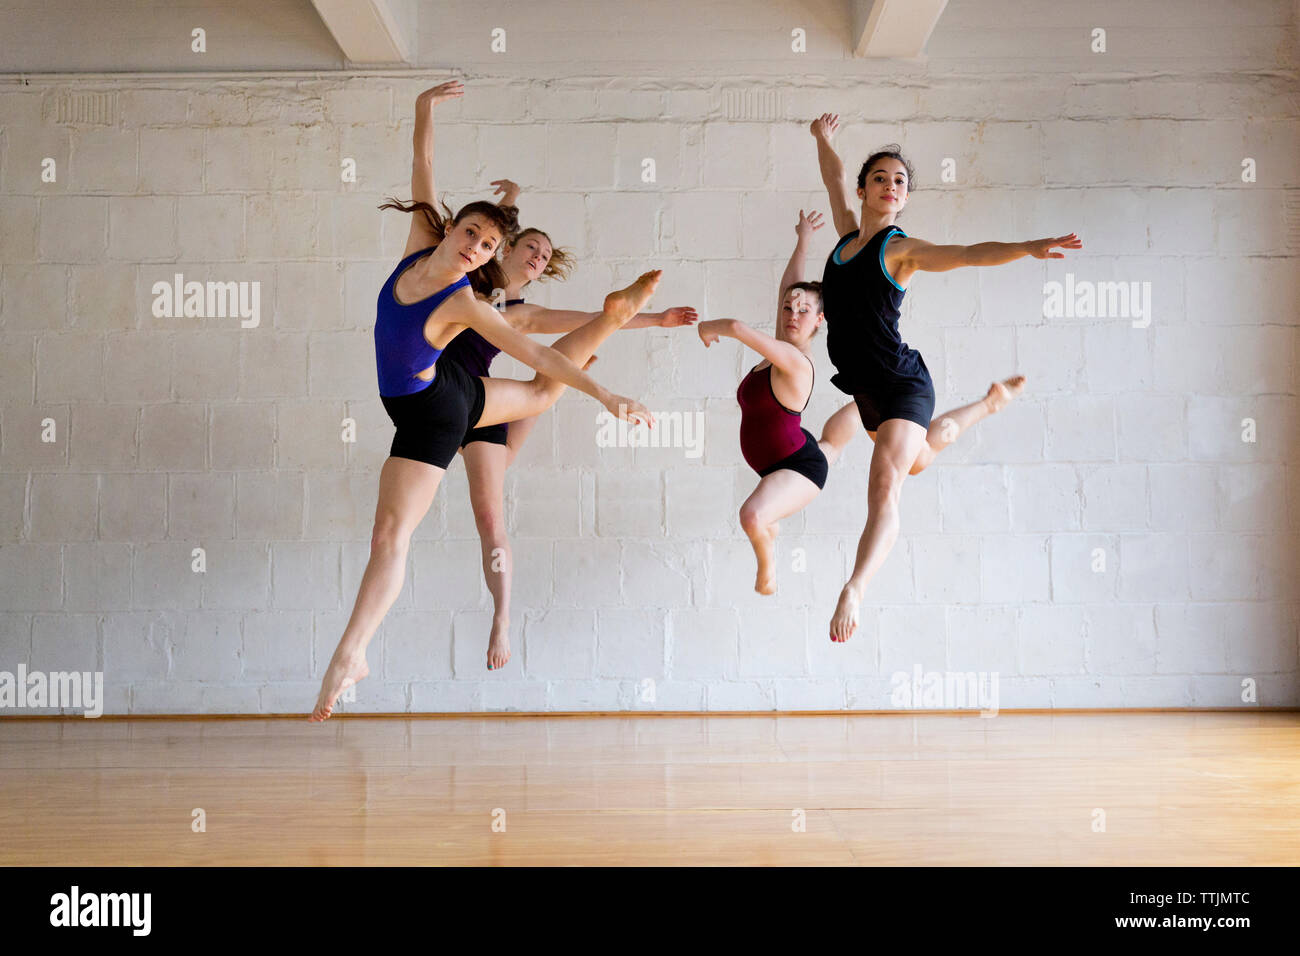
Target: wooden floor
x,y
1176,789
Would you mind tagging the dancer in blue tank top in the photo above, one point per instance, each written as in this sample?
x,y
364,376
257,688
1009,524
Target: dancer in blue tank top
x,y
866,277
488,451
422,306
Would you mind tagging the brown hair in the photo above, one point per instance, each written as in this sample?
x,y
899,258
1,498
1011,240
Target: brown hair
x,y
814,287
560,264
490,275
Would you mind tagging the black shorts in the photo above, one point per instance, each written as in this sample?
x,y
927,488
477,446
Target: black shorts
x,y
808,461
492,434
900,392
432,422
912,399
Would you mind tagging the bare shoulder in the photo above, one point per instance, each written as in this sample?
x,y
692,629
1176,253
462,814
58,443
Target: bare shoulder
x,y
901,248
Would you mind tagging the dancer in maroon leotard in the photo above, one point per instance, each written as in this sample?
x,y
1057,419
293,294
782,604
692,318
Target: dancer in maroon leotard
x,y
791,464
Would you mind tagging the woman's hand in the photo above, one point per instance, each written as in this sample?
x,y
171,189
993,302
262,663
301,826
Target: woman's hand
x,y
629,409
678,315
1041,248
710,331
507,190
824,126
805,227
440,94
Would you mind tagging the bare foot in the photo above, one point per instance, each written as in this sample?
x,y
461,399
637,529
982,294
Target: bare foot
x,y
625,303
1000,393
342,674
498,652
845,621
765,583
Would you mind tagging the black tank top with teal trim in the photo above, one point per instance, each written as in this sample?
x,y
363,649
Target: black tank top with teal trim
x,y
862,303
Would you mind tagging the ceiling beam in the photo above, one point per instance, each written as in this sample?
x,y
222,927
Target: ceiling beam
x,y
367,31
894,28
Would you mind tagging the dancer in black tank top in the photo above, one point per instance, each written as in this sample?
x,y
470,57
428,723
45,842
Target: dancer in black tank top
x,y
866,277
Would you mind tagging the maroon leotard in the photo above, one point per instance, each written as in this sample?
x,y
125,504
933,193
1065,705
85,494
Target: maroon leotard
x,y
769,431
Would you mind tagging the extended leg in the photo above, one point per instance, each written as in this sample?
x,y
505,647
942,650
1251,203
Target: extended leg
x,y
406,489
945,428
898,442
508,400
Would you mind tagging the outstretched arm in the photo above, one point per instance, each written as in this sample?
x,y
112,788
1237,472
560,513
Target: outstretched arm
x,y
421,235
906,255
832,170
782,355
539,320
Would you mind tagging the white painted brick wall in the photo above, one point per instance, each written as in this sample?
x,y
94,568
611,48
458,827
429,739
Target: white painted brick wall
x,y
176,433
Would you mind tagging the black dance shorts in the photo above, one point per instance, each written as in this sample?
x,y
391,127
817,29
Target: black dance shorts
x,y
902,390
432,422
492,434
808,461
909,397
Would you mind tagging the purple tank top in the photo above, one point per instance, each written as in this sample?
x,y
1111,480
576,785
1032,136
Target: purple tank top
x,y
471,351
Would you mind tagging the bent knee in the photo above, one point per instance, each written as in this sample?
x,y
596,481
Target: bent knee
x,y
751,519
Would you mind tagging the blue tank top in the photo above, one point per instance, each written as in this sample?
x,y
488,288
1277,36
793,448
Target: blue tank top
x,y
401,351
471,351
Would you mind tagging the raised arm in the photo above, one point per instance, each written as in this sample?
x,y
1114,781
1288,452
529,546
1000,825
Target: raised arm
x,y
803,231
490,324
422,189
782,355
832,170
906,255
508,190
